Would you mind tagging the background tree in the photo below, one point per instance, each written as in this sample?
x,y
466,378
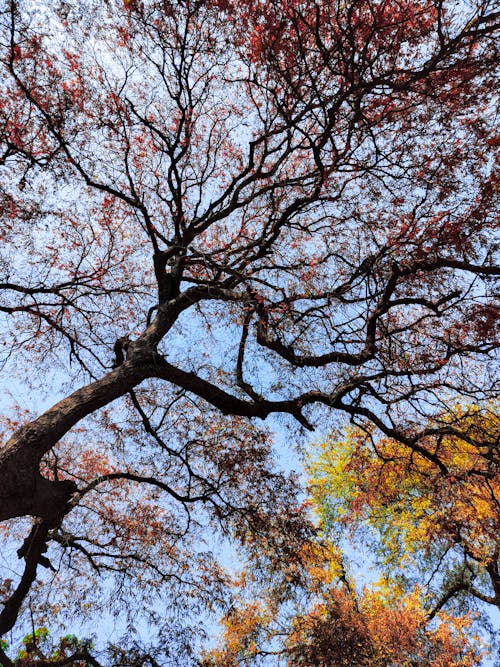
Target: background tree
x,y
431,538
203,226
325,620
441,529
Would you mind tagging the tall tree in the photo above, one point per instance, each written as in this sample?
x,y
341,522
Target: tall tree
x,y
216,211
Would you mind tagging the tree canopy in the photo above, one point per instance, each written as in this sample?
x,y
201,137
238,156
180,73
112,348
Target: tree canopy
x,y
217,212
432,537
445,525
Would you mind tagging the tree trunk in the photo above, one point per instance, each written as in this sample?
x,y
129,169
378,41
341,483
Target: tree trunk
x,y
23,490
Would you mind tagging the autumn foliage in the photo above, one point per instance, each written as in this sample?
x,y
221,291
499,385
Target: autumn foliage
x,y
431,533
220,220
329,623
442,521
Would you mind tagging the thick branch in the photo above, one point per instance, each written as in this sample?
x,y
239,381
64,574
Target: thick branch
x,y
24,491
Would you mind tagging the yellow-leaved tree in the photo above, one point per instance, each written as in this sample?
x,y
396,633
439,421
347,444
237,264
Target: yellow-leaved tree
x,y
432,516
429,523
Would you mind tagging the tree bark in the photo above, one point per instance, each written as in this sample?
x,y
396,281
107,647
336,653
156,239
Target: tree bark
x,y
23,490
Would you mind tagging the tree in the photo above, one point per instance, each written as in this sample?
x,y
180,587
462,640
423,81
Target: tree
x,y
203,226
442,528
326,621
433,539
